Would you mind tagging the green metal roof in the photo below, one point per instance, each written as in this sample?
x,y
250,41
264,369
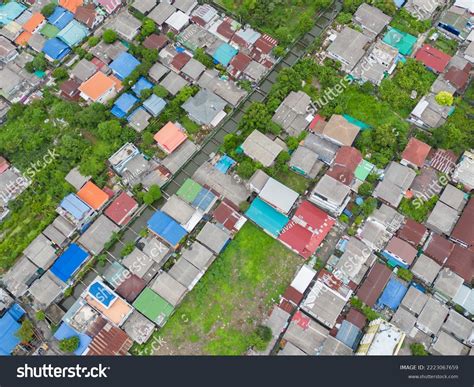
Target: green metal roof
x,y
49,31
153,306
363,170
189,190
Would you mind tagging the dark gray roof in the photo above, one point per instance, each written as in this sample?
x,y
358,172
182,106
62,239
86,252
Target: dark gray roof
x,y
199,256
204,107
213,237
169,288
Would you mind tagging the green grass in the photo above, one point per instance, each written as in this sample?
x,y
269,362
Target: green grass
x,y
220,315
448,46
294,181
190,126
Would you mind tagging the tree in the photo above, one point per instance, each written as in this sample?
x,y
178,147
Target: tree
x,y
418,349
48,9
127,249
26,332
40,315
204,58
39,63
109,129
146,93
109,36
148,27
365,189
246,169
262,337
160,91
153,194
60,74
93,41
70,344
444,98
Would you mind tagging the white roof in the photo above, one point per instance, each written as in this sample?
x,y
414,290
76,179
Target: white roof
x,y
303,279
178,20
278,195
467,4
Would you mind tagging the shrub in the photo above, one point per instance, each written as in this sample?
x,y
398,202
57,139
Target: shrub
x,y
153,194
48,9
69,345
93,41
109,36
418,349
40,315
444,98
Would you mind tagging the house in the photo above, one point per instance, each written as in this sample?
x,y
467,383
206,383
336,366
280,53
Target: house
x,y
98,234
126,25
238,64
213,237
185,6
446,345
348,48
305,335
429,114
69,262
55,49
224,54
83,70
193,70
459,326
153,306
374,234
380,61
399,253
331,195
374,284
265,216
109,5
228,216
205,108
186,273
170,137
123,105
9,326
400,40
10,11
139,119
447,284
158,71
123,65
260,148
463,232
162,12
442,219
154,105
382,338
155,41
198,255
464,172
121,209
41,252
99,88
340,131
93,196
415,153
426,269
138,328
325,149
305,162
60,18
344,165
438,248
255,71
177,21
74,33
12,184
8,51
86,14
75,210
469,52
105,53
413,232
173,83
141,85
56,234
225,29
182,212
36,42
292,114
168,288
371,19
443,161
195,36
396,181
227,90
423,9
278,195
461,262
455,23
46,290
465,298
326,299
204,15
354,262
144,6
166,228
434,59
426,184
432,317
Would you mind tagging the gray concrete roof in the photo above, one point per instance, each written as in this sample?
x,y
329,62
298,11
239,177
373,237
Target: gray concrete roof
x,y
173,83
331,189
325,149
309,339
199,256
144,6
193,69
458,325
291,350
442,219
305,160
277,320
414,300
169,288
186,273
138,263
426,269
98,234
404,320
158,71
432,316
140,120
333,347
76,179
83,70
40,252
448,283
204,107
178,209
371,19
46,289
446,345
178,158
349,46
138,327
161,12
18,278
453,197
213,237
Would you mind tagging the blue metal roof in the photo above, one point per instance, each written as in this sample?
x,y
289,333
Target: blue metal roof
x,y
66,332
16,311
123,104
203,199
224,54
75,206
142,84
73,33
349,334
10,11
8,341
166,228
266,217
69,262
60,17
393,294
102,294
56,49
124,64
154,105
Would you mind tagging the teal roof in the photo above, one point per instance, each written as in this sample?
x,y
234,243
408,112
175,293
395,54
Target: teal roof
x,y
10,11
402,41
363,170
73,33
356,122
266,217
224,54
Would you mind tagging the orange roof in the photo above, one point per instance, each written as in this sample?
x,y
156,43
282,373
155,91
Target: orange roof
x,y
93,195
118,82
33,22
116,312
169,137
97,85
71,5
23,38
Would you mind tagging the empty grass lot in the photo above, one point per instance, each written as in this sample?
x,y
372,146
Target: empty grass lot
x,y
220,315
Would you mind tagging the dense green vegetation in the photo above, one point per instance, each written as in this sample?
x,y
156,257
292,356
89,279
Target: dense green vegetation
x,y
418,349
406,22
417,209
26,332
222,313
70,344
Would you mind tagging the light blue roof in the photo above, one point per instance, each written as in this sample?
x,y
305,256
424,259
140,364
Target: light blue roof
x,y
8,341
73,33
349,334
154,105
69,262
124,64
66,332
75,206
56,49
266,217
399,3
10,11
393,294
60,17
224,54
142,84
123,104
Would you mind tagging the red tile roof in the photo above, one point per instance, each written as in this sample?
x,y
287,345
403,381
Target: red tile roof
x,y
412,232
374,284
155,41
401,249
293,295
299,239
111,341
180,60
357,318
458,77
438,248
121,209
4,164
131,288
70,88
225,29
240,62
86,15
266,43
227,215
416,152
464,231
461,261
433,58
346,161
313,218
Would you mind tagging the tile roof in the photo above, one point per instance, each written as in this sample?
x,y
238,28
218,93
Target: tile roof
x,y
170,137
416,152
432,58
97,85
93,195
